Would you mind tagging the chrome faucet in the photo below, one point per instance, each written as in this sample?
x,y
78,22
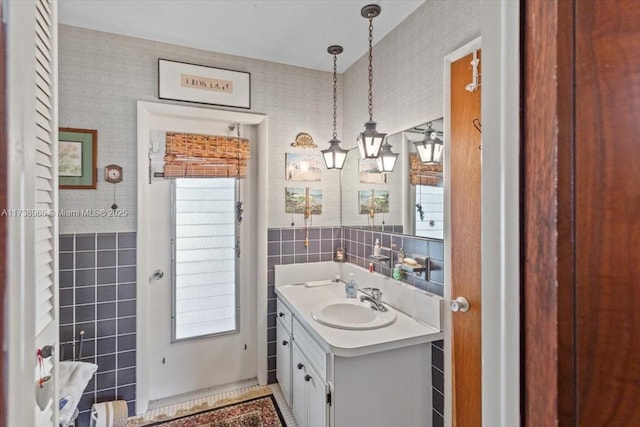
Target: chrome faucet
x,y
374,299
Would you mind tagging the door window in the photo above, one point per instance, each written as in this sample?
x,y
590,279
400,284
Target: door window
x,y
204,257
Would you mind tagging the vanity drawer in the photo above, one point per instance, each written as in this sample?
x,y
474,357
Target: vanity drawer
x,y
283,315
316,356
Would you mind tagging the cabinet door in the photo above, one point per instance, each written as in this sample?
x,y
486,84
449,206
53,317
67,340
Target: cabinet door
x,y
283,361
298,387
316,399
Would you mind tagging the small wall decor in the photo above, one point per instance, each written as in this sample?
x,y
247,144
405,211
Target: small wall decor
x,y
180,81
296,200
373,202
77,155
304,140
303,167
113,174
370,173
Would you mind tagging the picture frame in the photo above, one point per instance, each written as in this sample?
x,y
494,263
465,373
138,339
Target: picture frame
x,y
303,167
373,200
77,159
369,172
201,84
295,200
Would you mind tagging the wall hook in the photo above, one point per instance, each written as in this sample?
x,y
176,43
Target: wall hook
x,y
477,124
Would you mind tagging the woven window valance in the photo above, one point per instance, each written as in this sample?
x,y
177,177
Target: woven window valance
x,y
205,156
424,174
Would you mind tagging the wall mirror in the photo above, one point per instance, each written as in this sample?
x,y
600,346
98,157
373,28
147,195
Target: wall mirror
x,y
408,200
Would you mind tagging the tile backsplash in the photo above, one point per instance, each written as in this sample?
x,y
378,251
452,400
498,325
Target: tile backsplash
x,y
98,296
358,244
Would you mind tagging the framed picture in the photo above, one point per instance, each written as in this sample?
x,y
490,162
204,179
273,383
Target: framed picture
x,y
77,155
369,173
373,201
180,81
295,200
303,167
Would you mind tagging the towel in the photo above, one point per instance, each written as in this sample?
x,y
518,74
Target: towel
x,y
318,283
109,414
73,377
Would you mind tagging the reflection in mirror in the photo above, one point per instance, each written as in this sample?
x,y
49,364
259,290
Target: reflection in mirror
x,y
408,200
425,186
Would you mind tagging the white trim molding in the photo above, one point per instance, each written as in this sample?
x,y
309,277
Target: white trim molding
x,y
149,112
500,213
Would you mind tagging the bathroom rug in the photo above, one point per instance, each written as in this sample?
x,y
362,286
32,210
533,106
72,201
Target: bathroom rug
x,y
260,411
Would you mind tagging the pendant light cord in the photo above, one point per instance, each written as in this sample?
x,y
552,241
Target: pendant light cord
x,y
371,68
335,94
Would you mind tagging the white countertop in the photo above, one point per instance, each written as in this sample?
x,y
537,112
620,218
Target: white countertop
x,y
302,301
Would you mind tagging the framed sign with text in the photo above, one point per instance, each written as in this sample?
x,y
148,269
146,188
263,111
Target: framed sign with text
x,y
180,81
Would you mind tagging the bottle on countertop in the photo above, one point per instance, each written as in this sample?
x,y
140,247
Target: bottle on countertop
x,y
401,256
376,248
351,288
397,272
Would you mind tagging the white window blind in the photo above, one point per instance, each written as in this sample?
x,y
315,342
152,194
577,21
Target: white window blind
x,y
205,300
431,199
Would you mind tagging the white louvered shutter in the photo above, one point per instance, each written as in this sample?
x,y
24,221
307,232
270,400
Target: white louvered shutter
x,y
32,201
46,325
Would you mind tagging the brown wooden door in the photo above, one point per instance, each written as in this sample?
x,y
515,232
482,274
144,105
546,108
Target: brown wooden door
x,y
465,184
607,194
581,198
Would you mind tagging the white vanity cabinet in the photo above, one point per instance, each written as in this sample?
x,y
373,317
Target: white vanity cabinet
x,y
284,344
310,392
345,378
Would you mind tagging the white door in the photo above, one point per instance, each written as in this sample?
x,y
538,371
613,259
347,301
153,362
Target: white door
x,y
201,296
31,309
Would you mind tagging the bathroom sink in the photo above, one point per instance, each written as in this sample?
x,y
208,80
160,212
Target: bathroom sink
x,y
353,315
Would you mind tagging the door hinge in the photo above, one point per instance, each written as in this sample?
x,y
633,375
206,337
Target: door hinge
x,y
329,398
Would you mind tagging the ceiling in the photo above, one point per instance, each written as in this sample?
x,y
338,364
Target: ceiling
x,y
294,32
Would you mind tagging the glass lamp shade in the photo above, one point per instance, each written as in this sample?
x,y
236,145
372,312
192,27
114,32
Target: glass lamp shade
x,y
370,141
334,156
387,159
430,149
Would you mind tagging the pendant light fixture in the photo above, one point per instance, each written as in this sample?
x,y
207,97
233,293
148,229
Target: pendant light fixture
x,y
431,147
370,141
387,159
334,156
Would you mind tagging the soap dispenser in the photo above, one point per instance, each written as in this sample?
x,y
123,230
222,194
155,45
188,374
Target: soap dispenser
x,y
351,288
401,256
376,248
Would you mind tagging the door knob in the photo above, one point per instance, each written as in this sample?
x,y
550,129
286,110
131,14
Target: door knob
x,y
157,275
459,304
285,342
300,366
307,378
